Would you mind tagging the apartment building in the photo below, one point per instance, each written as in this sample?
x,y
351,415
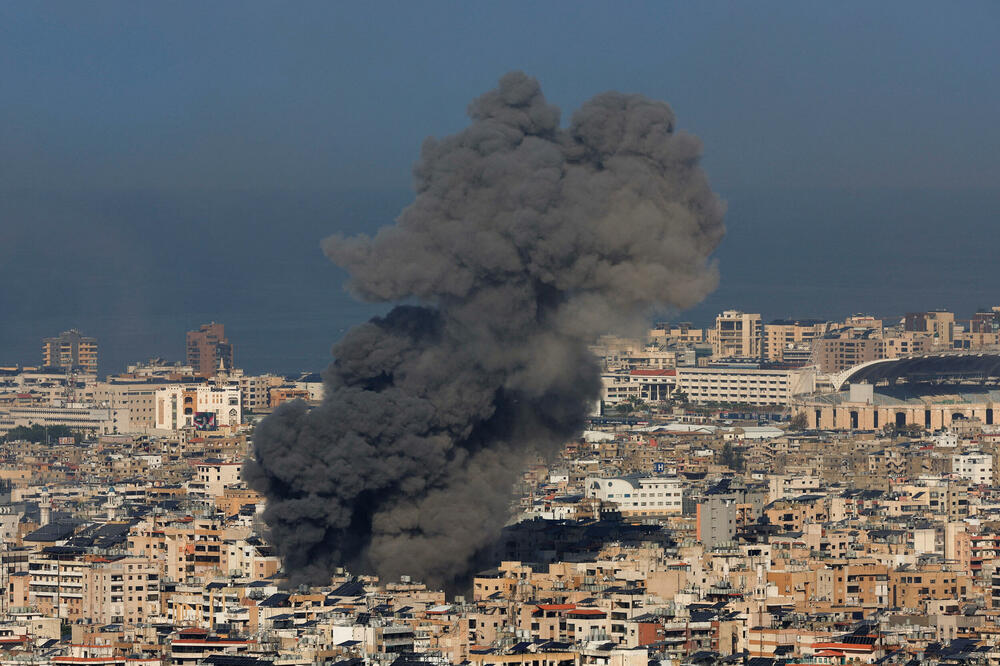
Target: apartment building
x,y
683,333
51,387
255,391
67,583
974,466
846,349
737,335
716,521
937,324
907,344
215,475
641,384
138,398
626,353
251,558
71,350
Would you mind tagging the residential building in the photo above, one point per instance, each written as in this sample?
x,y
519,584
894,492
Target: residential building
x,y
737,335
974,466
208,348
716,521
200,406
790,335
72,350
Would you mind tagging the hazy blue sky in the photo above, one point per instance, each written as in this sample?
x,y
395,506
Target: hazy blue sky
x,y
167,163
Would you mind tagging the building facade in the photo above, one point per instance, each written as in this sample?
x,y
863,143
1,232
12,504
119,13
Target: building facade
x,y
751,386
189,406
737,335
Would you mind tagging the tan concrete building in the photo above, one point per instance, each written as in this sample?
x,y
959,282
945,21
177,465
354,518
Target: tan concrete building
x,y
750,386
789,334
70,349
677,334
939,325
138,398
907,344
207,348
737,335
75,586
835,353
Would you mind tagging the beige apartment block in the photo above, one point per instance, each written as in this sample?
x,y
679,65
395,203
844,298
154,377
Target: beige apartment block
x,y
751,386
737,335
70,349
789,334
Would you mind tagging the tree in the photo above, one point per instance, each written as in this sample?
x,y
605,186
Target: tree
x,y
799,421
638,405
38,433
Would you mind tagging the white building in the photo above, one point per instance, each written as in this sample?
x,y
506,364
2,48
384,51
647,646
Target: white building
x,y
647,385
254,390
638,495
178,406
945,440
79,418
975,466
215,475
737,335
751,386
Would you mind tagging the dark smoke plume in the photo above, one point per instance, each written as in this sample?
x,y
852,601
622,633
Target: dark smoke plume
x,y
524,243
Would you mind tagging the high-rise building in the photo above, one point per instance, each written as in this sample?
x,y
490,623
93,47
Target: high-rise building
x,y
841,350
737,335
939,324
71,350
784,334
207,347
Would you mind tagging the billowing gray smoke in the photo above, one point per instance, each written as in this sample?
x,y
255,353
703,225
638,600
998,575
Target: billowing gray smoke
x,y
524,243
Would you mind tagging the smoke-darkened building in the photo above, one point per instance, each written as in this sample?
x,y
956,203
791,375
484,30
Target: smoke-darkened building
x,y
206,347
72,350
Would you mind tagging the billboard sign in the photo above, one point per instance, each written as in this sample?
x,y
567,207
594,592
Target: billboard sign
x,y
204,421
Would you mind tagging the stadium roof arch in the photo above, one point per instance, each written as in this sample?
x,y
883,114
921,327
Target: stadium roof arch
x,y
961,366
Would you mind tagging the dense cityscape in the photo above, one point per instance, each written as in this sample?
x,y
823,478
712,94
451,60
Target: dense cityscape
x,y
793,492
499,334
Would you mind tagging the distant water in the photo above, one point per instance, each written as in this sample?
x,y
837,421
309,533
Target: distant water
x,y
138,269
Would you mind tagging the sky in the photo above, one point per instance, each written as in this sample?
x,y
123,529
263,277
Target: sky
x,y
164,165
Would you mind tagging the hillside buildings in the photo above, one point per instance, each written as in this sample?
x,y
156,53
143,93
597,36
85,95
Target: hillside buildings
x,y
752,384
768,496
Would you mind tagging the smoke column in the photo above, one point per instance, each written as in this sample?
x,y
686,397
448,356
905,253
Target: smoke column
x,y
525,242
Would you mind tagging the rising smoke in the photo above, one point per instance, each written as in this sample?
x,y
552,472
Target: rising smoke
x,y
524,243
